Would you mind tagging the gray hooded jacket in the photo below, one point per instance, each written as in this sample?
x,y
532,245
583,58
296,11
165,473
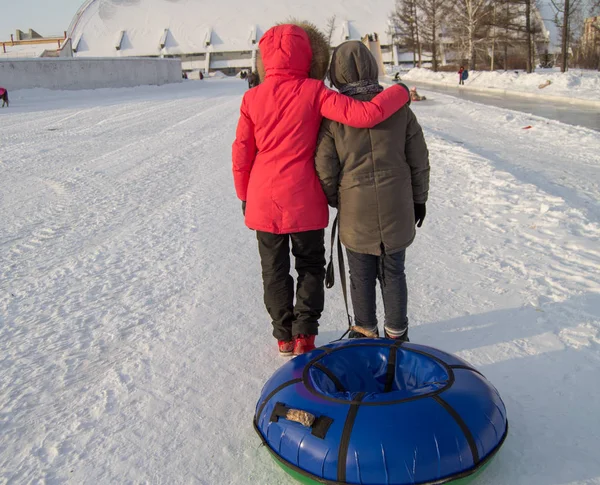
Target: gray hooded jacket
x,y
373,176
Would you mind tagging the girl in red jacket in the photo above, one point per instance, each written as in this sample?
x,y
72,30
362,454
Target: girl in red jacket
x,y
275,177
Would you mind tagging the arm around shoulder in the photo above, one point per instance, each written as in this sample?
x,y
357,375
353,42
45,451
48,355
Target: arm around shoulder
x,y
362,114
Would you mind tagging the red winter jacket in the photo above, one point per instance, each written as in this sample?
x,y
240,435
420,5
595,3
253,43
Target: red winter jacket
x,y
276,137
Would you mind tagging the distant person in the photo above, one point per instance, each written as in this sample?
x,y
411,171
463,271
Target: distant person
x,y
415,96
378,179
275,177
463,74
184,75
243,74
4,96
200,75
253,80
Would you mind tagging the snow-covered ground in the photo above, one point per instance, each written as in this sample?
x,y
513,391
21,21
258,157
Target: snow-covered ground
x,y
575,83
133,338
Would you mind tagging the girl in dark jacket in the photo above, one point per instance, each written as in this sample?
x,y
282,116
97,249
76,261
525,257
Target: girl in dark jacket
x,y
379,181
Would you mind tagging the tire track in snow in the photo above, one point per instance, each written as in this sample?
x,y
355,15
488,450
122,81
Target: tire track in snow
x,y
525,157
120,339
104,194
530,224
115,292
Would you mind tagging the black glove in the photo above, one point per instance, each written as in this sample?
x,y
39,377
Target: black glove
x,y
244,207
420,212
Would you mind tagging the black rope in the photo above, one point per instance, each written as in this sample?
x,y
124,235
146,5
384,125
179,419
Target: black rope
x,y
342,337
382,265
330,275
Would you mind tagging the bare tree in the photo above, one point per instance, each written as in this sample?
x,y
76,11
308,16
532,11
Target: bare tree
x,y
528,32
564,12
596,26
433,13
417,23
473,20
494,36
506,24
406,21
517,25
330,29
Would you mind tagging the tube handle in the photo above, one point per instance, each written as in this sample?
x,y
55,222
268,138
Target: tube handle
x,y
318,425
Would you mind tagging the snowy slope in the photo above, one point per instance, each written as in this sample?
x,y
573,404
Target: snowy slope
x,y
133,340
576,83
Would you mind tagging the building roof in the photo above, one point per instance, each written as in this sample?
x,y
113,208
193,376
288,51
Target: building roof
x,y
30,45
171,27
22,51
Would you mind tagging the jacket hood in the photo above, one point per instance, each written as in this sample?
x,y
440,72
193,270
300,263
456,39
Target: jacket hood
x,y
351,62
285,48
294,34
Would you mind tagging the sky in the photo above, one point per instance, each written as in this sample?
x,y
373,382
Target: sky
x,y
47,17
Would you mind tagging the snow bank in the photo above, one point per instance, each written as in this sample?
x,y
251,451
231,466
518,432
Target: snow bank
x,y
574,84
88,73
217,75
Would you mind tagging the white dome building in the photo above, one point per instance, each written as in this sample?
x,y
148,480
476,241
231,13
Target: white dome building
x,y
217,34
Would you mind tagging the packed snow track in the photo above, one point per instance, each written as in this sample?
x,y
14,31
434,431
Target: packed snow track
x,y
133,338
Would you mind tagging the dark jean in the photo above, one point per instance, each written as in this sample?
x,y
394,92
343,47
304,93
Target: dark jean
x,y
365,269
308,248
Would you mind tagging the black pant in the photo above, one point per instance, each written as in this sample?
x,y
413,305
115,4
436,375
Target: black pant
x,y
365,269
309,250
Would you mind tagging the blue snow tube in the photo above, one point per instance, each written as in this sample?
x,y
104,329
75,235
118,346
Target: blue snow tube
x,y
376,411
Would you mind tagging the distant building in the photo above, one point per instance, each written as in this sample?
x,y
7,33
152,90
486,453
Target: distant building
x,y
32,34
31,44
591,32
217,35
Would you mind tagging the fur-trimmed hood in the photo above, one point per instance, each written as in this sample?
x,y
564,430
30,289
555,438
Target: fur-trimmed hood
x,y
317,42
